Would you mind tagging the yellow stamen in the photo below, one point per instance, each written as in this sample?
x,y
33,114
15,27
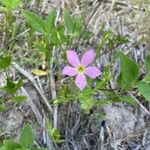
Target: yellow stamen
x,y
81,69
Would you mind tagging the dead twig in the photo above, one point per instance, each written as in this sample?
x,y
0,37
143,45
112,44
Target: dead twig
x,y
21,34
33,107
53,88
31,79
139,103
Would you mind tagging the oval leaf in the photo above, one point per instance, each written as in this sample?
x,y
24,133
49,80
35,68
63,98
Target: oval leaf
x,y
37,23
50,23
10,145
26,138
5,62
147,62
39,72
128,99
69,24
129,72
144,89
18,99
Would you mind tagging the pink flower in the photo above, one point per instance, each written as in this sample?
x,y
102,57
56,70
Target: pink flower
x,y
81,69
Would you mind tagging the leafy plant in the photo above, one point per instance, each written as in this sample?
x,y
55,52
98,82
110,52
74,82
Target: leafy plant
x,y
54,133
11,87
74,27
110,41
7,8
51,35
26,141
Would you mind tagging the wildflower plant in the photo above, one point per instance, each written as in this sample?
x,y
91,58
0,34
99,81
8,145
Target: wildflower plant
x,y
7,7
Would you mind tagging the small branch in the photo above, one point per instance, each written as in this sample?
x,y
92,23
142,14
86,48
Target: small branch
x,y
31,79
139,104
53,88
39,84
33,107
101,137
15,38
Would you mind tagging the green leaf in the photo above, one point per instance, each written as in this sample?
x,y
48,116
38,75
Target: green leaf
x,y
58,37
53,38
12,87
35,21
147,77
53,133
111,44
22,148
18,85
129,72
147,62
14,3
50,23
2,108
40,149
19,99
99,115
10,145
56,134
10,4
61,35
26,138
87,104
5,62
68,20
78,28
40,47
120,39
86,35
128,99
144,89
3,10
105,38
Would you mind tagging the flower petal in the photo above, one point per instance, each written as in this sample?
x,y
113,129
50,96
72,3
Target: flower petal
x,y
80,81
70,71
73,58
88,57
92,72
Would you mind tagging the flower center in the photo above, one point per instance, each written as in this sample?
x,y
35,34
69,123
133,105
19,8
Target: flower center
x,y
81,69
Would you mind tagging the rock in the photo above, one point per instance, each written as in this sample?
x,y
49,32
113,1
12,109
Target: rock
x,y
11,120
122,121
